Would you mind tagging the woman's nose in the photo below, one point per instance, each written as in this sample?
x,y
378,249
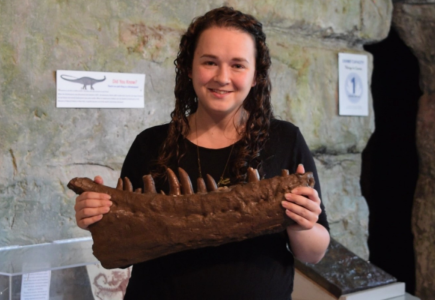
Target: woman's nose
x,y
222,75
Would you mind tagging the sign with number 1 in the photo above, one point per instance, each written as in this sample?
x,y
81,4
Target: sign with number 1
x,y
353,84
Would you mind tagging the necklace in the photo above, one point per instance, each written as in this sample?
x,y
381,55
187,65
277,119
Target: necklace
x,y
222,181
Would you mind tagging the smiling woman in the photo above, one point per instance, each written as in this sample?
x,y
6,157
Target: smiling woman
x,y
223,72
221,125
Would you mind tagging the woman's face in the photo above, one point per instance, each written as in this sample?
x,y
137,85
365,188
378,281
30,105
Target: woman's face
x,y
223,70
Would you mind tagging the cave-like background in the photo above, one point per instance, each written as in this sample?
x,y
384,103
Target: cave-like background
x,y
390,161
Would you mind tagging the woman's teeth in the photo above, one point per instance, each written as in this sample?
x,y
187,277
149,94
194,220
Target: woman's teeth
x,y
219,92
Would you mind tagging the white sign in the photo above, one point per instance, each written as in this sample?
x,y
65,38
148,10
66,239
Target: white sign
x,y
36,286
99,89
353,85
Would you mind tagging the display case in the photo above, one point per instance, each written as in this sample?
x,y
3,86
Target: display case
x,y
54,271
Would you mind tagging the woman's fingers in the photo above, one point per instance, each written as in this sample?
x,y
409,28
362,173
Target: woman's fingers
x,y
304,218
305,192
92,199
90,207
99,180
303,201
303,206
303,222
86,212
84,223
300,169
310,213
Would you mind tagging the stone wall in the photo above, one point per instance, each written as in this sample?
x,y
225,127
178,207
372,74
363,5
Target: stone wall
x,y
415,23
42,147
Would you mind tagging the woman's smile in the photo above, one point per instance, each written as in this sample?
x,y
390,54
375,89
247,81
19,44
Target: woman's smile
x,y
223,70
219,92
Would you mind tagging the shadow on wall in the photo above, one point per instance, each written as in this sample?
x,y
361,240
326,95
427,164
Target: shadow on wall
x,y
389,161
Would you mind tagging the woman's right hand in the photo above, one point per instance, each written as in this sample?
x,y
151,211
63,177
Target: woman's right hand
x,y
91,206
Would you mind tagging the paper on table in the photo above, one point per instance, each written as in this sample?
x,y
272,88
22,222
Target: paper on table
x,y
36,286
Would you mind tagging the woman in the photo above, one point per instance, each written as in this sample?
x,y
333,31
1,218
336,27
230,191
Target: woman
x,y
221,125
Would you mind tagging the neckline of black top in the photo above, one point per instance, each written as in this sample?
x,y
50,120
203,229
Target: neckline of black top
x,y
210,149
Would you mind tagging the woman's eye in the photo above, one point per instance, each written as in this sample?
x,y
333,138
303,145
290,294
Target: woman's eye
x,y
209,63
238,66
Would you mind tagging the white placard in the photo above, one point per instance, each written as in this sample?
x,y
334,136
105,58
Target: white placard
x,y
36,286
353,85
99,89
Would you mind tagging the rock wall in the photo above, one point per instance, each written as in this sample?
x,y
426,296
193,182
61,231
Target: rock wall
x,y
42,147
415,23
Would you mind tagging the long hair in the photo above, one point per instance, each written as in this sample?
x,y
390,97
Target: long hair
x,y
257,104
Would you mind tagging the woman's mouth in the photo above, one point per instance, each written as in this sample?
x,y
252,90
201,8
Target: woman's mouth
x,y
220,92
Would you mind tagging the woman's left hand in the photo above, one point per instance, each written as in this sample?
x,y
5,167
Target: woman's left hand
x,y
302,205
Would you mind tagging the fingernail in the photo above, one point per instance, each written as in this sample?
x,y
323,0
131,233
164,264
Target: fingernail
x,y
110,203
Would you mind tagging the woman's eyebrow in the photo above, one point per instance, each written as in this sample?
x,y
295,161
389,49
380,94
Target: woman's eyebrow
x,y
238,59
208,56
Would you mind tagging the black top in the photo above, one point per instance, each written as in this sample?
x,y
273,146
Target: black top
x,y
258,268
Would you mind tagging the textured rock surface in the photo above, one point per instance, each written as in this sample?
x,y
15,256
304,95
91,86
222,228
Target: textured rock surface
x,y
416,26
43,147
346,207
342,272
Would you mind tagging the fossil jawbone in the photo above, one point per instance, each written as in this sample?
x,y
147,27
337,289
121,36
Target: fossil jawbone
x,y
143,226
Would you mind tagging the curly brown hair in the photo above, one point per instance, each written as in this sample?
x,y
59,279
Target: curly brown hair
x,y
257,104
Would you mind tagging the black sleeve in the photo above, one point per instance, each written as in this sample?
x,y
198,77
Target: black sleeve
x,y
143,153
302,155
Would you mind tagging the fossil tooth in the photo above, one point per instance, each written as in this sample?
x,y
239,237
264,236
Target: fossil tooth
x,y
253,175
284,173
120,185
127,185
211,184
186,184
200,183
174,184
148,184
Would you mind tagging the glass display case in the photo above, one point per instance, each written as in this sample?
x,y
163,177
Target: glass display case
x,y
52,271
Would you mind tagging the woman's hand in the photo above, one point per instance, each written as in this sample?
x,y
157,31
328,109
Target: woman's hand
x,y
91,206
302,205
308,239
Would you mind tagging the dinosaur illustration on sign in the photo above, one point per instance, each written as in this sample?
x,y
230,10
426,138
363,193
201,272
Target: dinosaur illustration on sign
x,y
83,80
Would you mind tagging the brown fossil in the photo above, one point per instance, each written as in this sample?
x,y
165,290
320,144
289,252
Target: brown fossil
x,y
142,226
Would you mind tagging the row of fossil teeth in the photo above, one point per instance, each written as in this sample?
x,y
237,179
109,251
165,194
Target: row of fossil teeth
x,y
184,186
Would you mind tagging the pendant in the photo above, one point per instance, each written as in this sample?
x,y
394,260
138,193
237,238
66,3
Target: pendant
x,y
223,181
